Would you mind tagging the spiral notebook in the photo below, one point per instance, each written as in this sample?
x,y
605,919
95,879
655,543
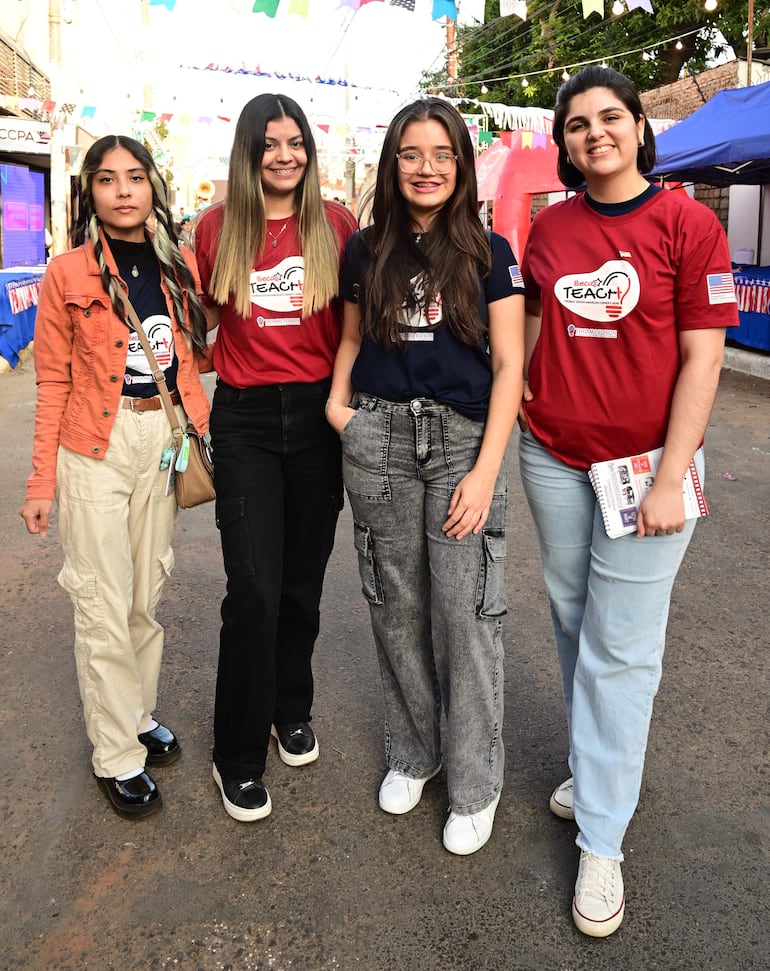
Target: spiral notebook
x,y
621,484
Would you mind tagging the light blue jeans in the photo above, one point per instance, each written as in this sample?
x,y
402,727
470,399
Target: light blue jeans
x,y
436,603
609,605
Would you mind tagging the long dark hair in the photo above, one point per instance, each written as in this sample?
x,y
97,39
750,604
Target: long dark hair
x,y
243,227
449,257
176,272
599,77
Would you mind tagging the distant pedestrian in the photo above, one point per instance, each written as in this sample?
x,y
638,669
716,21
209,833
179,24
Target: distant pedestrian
x,y
426,389
629,292
101,447
270,260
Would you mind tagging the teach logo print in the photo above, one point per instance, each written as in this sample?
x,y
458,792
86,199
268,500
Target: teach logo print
x,y
606,294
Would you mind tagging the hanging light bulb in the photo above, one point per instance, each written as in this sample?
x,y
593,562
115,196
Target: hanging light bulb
x,y
604,64
679,45
524,83
618,8
710,5
565,75
484,89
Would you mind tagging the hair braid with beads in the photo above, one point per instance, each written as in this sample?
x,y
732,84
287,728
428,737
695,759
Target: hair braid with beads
x,y
176,273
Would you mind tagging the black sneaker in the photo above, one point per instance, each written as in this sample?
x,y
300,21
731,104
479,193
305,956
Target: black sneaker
x,y
297,744
245,799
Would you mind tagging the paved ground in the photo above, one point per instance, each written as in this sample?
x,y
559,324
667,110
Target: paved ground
x,y
329,882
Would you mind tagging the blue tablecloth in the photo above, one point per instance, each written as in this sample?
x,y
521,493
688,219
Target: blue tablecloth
x,y
19,290
752,290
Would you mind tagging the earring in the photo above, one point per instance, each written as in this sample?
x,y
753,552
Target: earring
x,y
641,143
569,160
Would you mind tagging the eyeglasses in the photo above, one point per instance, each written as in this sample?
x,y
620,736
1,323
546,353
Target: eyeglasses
x,y
411,162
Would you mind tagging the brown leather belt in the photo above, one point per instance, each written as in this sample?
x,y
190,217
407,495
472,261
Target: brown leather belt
x,y
150,404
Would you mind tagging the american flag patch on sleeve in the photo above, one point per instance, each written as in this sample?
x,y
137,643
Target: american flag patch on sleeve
x,y
721,287
517,280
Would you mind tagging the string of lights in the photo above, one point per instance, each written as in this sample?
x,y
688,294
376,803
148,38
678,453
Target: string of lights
x,y
566,69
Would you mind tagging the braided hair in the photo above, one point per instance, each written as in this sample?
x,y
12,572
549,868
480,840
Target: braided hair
x,y
176,273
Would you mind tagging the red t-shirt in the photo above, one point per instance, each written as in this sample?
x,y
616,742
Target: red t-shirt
x,y
616,291
275,345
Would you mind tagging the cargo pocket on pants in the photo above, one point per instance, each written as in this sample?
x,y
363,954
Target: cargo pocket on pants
x,y
371,584
490,593
83,592
234,533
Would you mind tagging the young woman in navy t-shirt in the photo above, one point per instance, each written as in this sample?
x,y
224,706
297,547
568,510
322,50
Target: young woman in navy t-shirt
x,y
424,396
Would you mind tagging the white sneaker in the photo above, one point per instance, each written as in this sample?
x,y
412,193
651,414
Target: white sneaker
x,y
561,801
599,902
399,793
466,834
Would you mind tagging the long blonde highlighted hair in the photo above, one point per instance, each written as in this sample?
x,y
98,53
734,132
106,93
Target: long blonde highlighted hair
x,y
243,235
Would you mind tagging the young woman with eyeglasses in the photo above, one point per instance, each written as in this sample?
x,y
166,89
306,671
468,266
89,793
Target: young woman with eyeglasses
x,y
424,398
270,259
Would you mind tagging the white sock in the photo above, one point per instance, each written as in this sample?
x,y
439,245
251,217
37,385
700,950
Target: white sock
x,y
125,776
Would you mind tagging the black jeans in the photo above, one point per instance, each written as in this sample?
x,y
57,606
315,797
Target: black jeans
x,y
278,476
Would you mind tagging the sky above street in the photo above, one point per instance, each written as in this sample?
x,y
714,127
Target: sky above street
x,y
116,58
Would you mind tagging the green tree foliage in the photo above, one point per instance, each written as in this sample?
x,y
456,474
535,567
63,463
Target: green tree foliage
x,y
505,51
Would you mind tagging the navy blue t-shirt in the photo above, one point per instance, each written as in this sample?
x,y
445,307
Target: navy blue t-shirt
x,y
149,302
432,362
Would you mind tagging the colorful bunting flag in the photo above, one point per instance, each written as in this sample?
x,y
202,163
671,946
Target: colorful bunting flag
x,y
49,106
513,7
406,4
266,6
642,4
168,4
593,6
88,111
444,8
299,7
471,12
147,116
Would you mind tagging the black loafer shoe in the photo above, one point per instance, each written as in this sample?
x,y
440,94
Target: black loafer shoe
x,y
162,746
132,797
246,800
297,744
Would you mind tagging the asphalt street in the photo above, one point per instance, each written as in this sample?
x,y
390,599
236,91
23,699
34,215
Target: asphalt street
x,y
329,882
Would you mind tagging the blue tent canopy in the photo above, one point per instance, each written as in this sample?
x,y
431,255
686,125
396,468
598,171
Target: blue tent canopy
x,y
726,142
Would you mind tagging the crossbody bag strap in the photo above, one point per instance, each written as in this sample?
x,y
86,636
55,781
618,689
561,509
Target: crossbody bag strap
x,y
158,376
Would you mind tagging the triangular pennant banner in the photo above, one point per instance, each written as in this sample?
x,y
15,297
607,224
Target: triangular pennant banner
x,y
444,8
645,5
266,6
592,6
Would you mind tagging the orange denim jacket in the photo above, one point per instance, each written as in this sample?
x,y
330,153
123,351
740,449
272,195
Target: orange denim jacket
x,y
80,353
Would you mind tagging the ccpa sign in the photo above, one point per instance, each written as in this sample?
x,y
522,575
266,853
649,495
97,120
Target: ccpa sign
x,y
24,137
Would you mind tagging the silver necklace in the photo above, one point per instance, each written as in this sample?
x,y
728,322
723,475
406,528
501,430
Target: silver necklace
x,y
280,231
134,271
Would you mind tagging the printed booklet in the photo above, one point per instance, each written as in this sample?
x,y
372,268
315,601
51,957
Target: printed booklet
x,y
621,484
